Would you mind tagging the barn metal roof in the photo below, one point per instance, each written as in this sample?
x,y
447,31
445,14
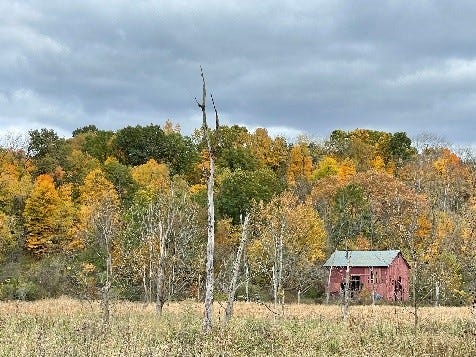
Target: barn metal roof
x,y
359,258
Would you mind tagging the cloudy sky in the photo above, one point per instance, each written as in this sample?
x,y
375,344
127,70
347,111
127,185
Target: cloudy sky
x,y
291,66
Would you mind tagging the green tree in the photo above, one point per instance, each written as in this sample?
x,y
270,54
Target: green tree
x,y
121,177
48,152
180,154
238,189
77,165
233,148
136,145
400,148
96,143
350,215
85,129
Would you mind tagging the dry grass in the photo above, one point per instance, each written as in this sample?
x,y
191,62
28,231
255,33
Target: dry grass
x,y
66,327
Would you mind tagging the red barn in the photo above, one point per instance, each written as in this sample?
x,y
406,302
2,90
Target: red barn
x,y
384,272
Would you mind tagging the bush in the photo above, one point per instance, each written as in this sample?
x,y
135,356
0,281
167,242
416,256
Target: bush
x,y
8,289
13,289
28,291
255,293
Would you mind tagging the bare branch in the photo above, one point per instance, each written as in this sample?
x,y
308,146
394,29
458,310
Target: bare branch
x,y
204,98
201,106
217,124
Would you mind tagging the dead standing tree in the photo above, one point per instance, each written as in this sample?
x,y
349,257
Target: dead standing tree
x,y
209,283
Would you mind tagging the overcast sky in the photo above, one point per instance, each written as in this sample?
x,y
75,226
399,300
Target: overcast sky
x,y
291,66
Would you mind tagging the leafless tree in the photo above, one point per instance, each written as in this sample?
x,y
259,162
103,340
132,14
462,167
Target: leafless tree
x,y
105,226
167,226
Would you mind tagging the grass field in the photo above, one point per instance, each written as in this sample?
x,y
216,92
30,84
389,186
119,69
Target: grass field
x,y
66,327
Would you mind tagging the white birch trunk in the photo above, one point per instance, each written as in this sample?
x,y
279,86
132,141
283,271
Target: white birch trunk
x,y
275,286
144,284
346,287
372,276
161,271
106,288
209,283
236,270
247,277
280,274
415,301
437,294
151,267
328,294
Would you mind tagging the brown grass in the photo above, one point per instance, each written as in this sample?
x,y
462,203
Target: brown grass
x,y
66,327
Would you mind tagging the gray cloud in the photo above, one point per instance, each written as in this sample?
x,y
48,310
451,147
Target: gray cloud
x,y
308,66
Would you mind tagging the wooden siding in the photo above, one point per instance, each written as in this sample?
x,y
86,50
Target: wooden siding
x,y
390,283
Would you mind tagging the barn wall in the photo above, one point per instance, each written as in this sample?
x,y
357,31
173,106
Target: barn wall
x,y
399,273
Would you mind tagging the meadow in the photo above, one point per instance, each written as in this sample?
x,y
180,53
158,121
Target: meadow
x,y
67,327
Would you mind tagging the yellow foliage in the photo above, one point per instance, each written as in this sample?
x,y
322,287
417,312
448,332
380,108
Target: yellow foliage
x,y
378,163
97,194
257,253
303,230
15,182
87,268
447,163
306,232
197,188
346,170
424,227
440,166
203,165
268,152
390,168
327,166
299,165
261,147
96,188
7,240
226,234
151,176
169,127
49,216
362,243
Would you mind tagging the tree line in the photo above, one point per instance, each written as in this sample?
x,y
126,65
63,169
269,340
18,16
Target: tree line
x,y
124,213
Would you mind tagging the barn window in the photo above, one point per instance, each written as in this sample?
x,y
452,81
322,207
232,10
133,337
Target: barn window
x,y
355,284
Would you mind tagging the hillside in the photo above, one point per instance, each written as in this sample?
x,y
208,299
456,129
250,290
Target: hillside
x,y
69,205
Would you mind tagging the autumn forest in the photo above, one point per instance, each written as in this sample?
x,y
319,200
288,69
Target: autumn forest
x,y
126,210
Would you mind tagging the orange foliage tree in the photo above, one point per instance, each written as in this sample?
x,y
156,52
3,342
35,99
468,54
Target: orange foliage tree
x,y
48,216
